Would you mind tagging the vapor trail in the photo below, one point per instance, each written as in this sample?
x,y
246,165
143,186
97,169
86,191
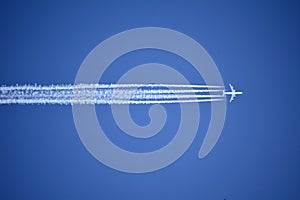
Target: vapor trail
x,y
110,94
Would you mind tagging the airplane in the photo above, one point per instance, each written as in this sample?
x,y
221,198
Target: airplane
x,y
233,93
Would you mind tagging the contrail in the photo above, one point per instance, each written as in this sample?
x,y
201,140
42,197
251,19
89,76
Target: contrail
x,y
110,94
98,86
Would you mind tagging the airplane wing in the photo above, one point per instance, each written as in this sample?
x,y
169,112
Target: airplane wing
x,y
231,88
232,93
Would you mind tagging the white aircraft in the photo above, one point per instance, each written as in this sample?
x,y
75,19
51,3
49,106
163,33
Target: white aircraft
x,y
233,93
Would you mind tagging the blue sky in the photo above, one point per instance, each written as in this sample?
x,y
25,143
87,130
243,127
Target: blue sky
x,y
255,45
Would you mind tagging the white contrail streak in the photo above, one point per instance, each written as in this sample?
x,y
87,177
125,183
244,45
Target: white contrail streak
x,y
110,94
67,102
103,86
